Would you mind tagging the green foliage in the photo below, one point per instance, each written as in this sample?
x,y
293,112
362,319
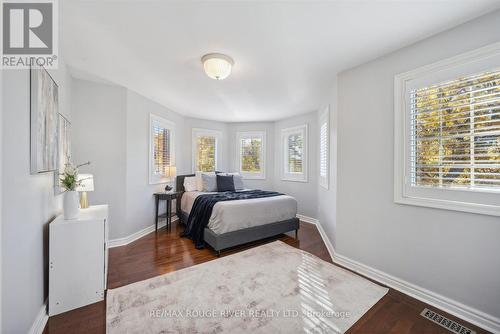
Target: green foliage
x,y
206,153
69,182
250,155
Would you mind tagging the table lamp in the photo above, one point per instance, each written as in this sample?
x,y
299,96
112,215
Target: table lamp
x,y
171,173
86,183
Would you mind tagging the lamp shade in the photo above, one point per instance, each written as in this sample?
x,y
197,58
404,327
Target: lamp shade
x,y
217,66
172,171
86,182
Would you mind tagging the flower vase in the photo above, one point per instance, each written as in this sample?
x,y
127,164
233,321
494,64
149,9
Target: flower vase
x,y
71,205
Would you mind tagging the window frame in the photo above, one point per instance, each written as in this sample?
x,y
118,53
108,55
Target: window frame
x,y
481,201
285,134
198,132
246,135
324,117
154,178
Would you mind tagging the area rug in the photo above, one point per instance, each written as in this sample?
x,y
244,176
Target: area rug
x,y
274,288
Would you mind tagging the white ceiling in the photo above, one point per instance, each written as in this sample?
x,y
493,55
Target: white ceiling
x,y
286,53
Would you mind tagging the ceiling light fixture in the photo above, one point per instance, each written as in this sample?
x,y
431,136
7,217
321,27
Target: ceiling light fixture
x,y
217,65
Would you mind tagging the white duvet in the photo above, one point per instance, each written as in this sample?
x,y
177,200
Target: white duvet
x,y
231,216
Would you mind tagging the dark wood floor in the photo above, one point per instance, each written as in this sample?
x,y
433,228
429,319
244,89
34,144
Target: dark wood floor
x,y
164,251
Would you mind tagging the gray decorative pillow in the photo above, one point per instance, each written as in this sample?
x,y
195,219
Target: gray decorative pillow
x,y
209,182
238,182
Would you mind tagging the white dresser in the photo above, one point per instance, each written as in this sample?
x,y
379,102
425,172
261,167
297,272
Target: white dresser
x,y
78,259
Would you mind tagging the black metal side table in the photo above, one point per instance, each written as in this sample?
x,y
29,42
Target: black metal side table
x,y
168,197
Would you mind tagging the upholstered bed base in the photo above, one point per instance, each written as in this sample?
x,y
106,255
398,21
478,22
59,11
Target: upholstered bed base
x,y
230,239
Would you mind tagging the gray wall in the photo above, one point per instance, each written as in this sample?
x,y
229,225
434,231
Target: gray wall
x,y
306,193
140,207
99,136
451,253
29,206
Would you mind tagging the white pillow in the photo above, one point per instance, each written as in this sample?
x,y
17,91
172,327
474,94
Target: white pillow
x,y
190,184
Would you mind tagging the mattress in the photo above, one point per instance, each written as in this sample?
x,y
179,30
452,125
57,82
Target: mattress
x,y
231,216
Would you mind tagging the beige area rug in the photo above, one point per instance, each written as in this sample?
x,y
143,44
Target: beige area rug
x,y
274,288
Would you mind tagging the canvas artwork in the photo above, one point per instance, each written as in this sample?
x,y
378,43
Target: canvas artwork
x,y
64,151
44,121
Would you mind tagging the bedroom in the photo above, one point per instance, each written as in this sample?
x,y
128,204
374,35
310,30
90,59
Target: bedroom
x,y
179,111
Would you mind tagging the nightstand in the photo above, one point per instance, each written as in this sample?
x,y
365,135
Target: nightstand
x,y
168,197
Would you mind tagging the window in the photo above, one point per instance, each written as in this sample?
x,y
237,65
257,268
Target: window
x,y
294,143
251,153
324,146
205,150
161,152
447,149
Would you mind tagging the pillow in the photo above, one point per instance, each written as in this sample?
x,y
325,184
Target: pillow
x,y
225,183
199,181
237,180
209,182
190,184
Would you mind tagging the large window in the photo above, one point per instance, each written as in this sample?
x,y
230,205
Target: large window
x,y
294,143
161,153
251,153
448,134
205,150
324,146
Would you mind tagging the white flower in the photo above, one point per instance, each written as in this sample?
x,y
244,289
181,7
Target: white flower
x,y
70,169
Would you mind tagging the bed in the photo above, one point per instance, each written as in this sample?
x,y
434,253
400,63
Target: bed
x,y
233,223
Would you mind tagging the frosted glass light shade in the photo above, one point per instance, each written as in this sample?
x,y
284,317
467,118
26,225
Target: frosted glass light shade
x,y
217,66
87,182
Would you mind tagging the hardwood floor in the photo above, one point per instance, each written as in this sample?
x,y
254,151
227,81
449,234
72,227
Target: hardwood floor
x,y
164,251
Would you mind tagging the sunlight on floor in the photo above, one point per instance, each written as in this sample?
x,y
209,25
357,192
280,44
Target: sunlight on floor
x,y
314,298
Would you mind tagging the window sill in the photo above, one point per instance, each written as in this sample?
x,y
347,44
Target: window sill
x,y
249,177
484,209
294,180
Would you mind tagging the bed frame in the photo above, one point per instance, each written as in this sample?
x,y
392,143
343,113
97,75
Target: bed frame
x,y
220,242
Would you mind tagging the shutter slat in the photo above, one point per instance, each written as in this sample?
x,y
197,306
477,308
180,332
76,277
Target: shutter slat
x,y
455,133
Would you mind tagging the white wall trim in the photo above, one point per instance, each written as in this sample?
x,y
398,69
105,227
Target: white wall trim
x,y
197,132
137,235
252,134
40,320
326,240
285,174
467,313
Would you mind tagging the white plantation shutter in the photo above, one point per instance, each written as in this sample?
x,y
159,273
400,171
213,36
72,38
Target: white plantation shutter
x,y
295,153
161,149
161,137
455,133
324,148
251,152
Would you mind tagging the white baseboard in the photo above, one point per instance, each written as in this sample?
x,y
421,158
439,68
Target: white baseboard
x,y
40,320
133,237
326,240
467,313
